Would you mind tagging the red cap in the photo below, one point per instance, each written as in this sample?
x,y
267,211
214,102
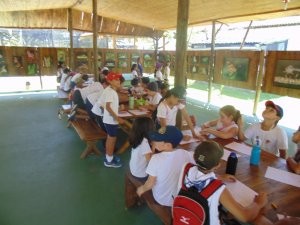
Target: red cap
x,y
113,76
278,109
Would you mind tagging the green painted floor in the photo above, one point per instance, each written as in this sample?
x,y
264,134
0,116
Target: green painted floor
x,y
43,181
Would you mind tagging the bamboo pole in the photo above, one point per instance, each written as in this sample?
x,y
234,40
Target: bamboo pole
x,y
95,36
181,42
70,28
246,34
211,61
259,81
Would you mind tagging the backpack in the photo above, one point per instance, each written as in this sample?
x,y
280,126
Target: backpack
x,y
190,207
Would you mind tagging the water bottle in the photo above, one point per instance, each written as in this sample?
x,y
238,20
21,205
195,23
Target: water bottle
x,y
131,102
255,153
231,163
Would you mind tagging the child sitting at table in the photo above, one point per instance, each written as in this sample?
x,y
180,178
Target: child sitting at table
x,y
154,96
164,167
134,69
226,125
164,88
207,156
136,90
168,108
273,138
141,150
111,118
145,82
294,163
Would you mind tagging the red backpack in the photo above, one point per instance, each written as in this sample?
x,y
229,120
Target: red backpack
x,y
190,207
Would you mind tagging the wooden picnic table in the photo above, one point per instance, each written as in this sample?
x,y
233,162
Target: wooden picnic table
x,y
284,196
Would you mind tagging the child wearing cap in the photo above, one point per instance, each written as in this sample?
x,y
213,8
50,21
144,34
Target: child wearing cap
x,y
273,138
168,108
294,163
154,96
207,156
164,167
110,101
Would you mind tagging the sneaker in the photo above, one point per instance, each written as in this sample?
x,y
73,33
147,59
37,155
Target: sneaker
x,y
74,108
71,117
115,163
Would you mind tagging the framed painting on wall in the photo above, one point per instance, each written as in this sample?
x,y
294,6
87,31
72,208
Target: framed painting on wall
x,y
18,61
287,74
235,69
61,56
3,66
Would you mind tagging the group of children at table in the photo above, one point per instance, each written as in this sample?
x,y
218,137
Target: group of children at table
x,y
156,158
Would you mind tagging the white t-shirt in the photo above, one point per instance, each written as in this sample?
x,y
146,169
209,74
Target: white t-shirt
x,y
63,80
94,97
96,107
158,75
155,99
271,141
166,167
77,75
167,72
138,163
110,95
197,178
164,111
92,88
67,84
221,127
134,73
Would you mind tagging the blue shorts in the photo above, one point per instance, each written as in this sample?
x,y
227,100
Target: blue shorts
x,y
111,129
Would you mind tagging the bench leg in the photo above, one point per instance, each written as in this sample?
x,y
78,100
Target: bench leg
x,y
123,147
90,148
131,198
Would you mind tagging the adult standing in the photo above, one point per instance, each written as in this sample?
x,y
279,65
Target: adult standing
x,y
140,67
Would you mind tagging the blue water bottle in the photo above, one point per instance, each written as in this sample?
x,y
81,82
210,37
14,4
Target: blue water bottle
x,y
255,153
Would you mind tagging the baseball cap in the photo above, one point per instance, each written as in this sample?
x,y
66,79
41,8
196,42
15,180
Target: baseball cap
x,y
104,68
172,135
178,91
208,154
278,109
113,76
152,86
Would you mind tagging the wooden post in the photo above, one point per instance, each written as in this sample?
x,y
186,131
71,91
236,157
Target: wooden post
x,y
211,61
114,42
181,41
246,34
259,81
95,36
70,28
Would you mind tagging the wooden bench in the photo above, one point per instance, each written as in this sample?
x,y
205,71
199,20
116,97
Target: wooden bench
x,y
131,199
90,133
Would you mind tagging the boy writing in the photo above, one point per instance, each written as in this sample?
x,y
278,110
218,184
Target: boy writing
x,y
110,102
273,138
207,157
164,167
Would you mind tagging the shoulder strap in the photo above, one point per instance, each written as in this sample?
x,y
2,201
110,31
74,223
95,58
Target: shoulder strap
x,y
211,188
185,171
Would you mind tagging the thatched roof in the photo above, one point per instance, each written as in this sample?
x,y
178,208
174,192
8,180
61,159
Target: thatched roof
x,y
162,15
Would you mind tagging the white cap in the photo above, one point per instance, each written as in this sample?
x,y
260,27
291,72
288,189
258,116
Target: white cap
x,y
104,68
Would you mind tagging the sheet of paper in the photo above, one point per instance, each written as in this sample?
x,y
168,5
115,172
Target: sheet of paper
x,y
66,107
124,114
241,193
240,147
138,112
283,176
189,133
226,155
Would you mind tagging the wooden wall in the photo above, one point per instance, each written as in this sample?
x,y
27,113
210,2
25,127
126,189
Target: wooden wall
x,y
282,69
283,73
